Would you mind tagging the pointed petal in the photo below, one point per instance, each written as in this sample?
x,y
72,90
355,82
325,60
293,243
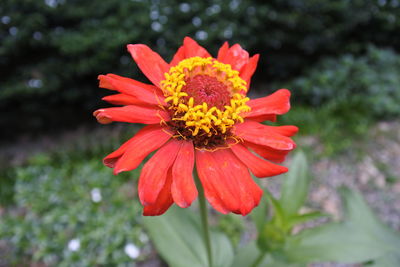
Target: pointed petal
x,y
223,51
132,114
164,199
147,94
193,49
256,133
183,187
274,155
236,56
286,130
149,62
277,103
154,173
248,70
216,195
259,167
237,176
147,140
122,99
178,57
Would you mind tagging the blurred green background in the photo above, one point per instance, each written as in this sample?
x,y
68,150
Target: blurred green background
x,y
340,59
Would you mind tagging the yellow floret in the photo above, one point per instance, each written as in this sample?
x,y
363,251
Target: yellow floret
x,y
202,117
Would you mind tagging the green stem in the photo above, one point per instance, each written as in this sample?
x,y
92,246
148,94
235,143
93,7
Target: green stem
x,y
258,260
204,219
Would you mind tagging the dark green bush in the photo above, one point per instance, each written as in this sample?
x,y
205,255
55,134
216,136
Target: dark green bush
x,y
51,51
368,85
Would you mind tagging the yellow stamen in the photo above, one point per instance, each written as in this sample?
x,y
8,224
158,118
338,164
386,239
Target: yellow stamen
x,y
203,117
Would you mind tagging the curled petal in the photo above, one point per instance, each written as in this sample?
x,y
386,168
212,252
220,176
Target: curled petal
x,y
257,133
268,153
149,62
132,114
144,93
275,104
259,167
133,152
163,201
183,187
111,159
154,173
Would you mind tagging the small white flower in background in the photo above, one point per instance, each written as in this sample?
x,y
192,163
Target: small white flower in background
x,y
74,244
96,195
132,251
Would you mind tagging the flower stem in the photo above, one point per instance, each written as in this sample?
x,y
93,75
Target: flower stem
x,y
204,219
258,260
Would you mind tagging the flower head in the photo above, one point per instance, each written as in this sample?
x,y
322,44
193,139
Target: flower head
x,y
198,114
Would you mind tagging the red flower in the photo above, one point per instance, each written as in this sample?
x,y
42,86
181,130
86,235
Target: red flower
x,y
197,112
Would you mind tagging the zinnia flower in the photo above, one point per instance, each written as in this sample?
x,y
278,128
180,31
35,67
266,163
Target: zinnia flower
x,y
198,114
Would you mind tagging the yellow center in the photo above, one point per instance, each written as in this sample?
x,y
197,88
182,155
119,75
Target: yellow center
x,y
202,117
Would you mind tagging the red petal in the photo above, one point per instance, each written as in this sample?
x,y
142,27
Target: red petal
x,y
190,48
245,190
266,117
259,167
287,130
248,70
154,173
178,57
142,144
149,62
145,93
227,182
223,51
193,49
217,195
274,155
122,99
257,133
236,56
183,187
164,199
112,158
132,114
277,103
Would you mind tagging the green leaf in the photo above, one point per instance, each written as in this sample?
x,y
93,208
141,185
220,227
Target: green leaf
x,y
390,260
259,215
177,235
360,237
246,255
302,218
295,185
279,216
251,256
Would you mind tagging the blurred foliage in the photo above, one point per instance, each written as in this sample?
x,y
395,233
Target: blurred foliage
x,y
367,85
52,50
77,203
342,97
